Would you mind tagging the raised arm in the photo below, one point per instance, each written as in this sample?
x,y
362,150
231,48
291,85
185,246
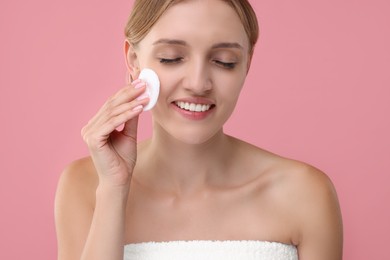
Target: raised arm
x,y
92,195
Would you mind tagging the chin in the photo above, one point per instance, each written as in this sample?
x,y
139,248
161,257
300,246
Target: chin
x,y
189,134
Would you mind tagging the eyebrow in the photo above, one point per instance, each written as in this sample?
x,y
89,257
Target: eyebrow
x,y
221,45
170,41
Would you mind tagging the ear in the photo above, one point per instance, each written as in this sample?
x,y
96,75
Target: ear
x,y
131,60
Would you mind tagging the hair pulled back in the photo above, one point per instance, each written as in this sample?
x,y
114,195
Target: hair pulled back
x,y
145,14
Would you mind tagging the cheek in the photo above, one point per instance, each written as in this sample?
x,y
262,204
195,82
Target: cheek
x,y
167,83
230,88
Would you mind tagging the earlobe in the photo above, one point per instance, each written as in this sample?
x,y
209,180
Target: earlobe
x,y
131,60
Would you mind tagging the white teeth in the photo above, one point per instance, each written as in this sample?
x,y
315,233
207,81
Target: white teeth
x,y
192,106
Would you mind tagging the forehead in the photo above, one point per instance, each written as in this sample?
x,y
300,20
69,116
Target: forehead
x,y
200,21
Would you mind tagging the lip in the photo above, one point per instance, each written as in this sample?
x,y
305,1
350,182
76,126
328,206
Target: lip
x,y
194,115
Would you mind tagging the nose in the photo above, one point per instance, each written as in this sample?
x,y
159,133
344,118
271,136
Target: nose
x,y
198,80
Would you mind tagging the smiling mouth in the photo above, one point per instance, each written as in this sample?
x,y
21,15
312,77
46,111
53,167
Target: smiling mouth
x,y
192,107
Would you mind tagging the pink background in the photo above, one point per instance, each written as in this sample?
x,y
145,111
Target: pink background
x,y
318,91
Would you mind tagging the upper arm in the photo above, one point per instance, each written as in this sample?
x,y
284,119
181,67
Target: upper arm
x,y
74,204
319,218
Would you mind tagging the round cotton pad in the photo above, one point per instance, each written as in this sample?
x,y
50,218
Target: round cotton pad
x,y
152,86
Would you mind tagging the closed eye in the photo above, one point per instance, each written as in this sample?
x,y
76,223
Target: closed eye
x,y
171,61
226,65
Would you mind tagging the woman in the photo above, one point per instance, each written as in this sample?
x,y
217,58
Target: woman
x,y
202,192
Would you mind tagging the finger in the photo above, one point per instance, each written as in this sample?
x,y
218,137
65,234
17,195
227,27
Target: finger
x,y
108,119
124,95
127,94
121,114
130,128
127,106
107,113
97,135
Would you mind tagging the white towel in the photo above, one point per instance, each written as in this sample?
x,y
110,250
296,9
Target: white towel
x,y
215,250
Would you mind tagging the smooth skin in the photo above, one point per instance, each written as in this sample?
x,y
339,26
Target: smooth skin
x,y
190,181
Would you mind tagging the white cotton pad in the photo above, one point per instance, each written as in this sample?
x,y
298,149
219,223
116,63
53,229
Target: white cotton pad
x,y
152,86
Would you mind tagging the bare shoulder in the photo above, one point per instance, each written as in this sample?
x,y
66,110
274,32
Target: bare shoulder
x,y
305,188
294,182
283,172
76,187
308,197
301,197
74,205
305,182
79,177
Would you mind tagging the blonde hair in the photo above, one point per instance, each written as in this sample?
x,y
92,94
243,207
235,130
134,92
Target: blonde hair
x,y
145,14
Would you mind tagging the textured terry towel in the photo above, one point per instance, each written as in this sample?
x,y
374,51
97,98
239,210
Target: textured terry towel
x,y
215,250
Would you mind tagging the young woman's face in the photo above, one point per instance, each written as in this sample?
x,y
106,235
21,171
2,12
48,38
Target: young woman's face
x,y
199,49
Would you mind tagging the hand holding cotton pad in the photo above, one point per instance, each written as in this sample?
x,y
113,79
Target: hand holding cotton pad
x,y
152,86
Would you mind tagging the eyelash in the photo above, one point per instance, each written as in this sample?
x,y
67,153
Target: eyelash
x,y
226,65
170,61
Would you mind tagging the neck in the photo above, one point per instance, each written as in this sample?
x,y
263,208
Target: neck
x,y
185,168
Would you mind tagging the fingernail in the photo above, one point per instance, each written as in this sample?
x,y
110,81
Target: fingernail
x,y
140,85
134,82
143,96
138,108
